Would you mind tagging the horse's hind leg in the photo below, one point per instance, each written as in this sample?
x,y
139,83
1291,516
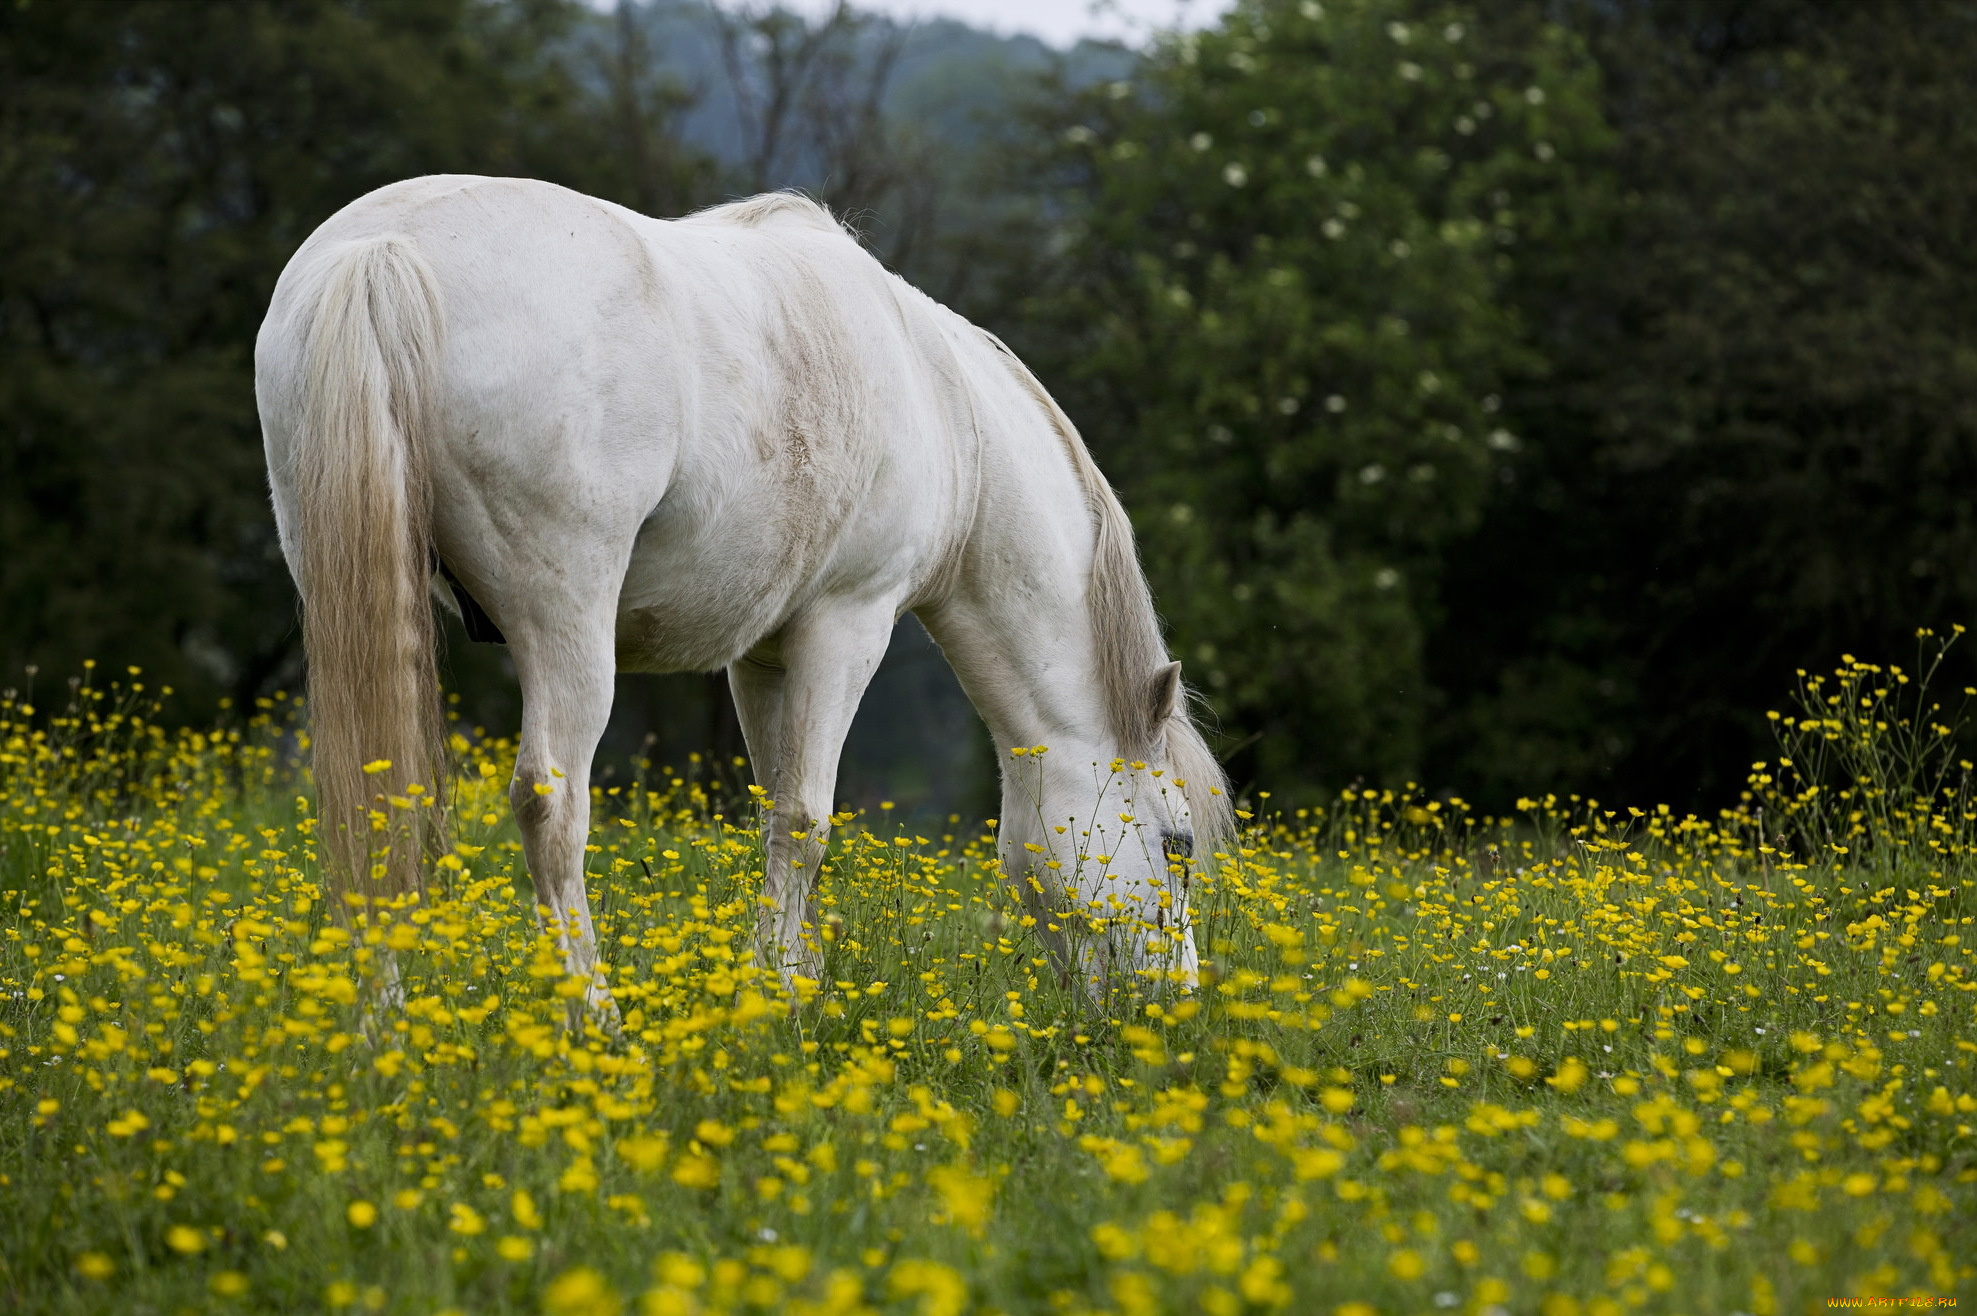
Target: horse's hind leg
x,y
565,661
796,703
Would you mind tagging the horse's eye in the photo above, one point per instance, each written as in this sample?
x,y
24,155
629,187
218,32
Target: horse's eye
x,y
1178,845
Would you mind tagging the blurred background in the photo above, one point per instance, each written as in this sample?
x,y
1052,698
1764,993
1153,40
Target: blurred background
x,y
1509,395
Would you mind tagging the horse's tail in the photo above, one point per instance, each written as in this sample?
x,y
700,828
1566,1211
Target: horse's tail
x,y
364,506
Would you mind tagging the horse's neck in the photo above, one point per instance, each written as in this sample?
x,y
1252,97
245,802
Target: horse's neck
x,y
1016,625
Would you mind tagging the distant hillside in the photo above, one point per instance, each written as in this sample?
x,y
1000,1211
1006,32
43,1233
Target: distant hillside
x,y
949,81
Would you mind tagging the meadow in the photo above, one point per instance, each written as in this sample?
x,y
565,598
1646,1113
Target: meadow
x,y
1578,1059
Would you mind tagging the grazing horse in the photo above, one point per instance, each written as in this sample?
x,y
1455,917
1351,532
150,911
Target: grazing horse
x,y
731,440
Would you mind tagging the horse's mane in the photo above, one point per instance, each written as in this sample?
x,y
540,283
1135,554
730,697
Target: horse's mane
x,y
1126,632
755,211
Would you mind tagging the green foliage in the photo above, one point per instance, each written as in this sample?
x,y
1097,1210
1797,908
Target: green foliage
x,y
1292,243
1755,442
1438,1062
1510,444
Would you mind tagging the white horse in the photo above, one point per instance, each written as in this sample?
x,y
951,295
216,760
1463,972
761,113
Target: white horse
x,y
732,440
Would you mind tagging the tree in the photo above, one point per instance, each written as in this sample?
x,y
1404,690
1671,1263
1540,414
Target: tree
x,y
1755,447
810,97
1281,321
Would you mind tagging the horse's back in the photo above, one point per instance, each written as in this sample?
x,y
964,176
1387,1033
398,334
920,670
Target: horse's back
x,y
724,413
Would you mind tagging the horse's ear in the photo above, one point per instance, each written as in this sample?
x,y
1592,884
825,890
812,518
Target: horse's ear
x,y
1165,693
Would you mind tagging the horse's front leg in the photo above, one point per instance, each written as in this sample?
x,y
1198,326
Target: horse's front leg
x,y
796,699
566,664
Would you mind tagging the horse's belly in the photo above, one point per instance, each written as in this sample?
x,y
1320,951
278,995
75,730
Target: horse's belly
x,y
702,590
698,596
685,636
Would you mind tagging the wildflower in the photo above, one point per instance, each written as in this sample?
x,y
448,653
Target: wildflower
x,y
580,1292
1571,1076
697,1171
941,1290
965,1195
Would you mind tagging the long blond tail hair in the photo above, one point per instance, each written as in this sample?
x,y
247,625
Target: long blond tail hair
x,y
364,528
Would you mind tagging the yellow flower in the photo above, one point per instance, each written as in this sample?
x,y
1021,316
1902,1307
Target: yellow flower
x,y
361,1214
941,1290
185,1240
94,1265
966,1195
1114,1243
697,1172
580,1292
679,1270
1571,1076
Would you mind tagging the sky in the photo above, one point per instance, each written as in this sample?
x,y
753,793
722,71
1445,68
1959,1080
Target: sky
x,y
1059,22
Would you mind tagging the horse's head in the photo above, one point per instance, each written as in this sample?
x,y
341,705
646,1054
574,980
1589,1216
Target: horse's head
x,y
1108,848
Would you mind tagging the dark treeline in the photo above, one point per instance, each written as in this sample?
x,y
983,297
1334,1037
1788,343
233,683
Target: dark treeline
x,y
1510,395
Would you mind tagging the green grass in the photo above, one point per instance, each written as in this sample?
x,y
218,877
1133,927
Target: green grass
x,y
1589,1061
